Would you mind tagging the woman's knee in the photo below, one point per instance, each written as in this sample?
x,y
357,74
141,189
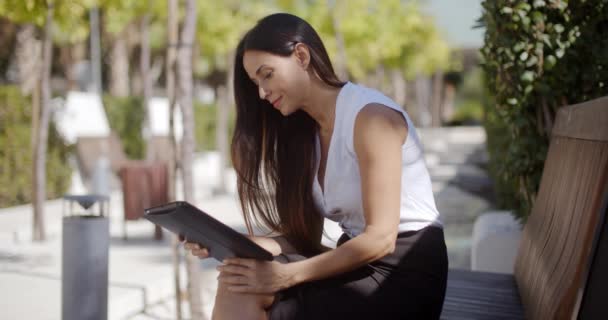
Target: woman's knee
x,y
225,296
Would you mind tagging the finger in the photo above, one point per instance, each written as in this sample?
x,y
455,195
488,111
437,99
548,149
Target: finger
x,y
246,289
192,246
232,280
250,263
203,253
235,269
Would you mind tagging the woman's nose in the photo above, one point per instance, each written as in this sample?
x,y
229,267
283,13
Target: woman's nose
x,y
262,92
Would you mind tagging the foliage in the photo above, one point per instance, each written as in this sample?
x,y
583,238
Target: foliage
x,y
16,156
390,33
470,97
538,56
118,14
69,16
205,124
468,112
220,26
126,116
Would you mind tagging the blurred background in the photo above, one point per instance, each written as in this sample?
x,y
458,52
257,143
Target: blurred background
x,y
132,100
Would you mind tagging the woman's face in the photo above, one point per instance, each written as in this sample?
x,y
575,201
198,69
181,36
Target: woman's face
x,y
282,81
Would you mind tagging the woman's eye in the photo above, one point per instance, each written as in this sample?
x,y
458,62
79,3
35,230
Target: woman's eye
x,y
268,75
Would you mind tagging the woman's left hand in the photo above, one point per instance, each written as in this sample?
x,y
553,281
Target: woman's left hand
x,y
255,276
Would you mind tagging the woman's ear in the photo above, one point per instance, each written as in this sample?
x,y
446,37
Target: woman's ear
x,y
302,55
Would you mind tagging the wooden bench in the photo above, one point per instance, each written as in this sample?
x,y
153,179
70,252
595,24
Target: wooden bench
x,y
562,262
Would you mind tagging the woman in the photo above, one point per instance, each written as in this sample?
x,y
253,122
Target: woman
x,y
307,146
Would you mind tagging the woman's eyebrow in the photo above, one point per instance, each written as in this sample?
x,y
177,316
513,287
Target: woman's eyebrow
x,y
258,71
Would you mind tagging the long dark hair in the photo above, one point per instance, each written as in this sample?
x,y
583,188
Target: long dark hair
x,y
274,156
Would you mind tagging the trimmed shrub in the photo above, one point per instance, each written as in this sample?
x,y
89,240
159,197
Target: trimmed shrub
x,y
126,117
16,164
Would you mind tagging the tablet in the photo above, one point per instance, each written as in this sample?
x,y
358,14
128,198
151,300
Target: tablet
x,y
221,241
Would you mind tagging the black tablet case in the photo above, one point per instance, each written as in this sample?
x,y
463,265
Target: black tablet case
x,y
182,218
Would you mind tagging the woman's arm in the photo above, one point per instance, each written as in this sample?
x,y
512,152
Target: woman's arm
x,y
275,245
379,135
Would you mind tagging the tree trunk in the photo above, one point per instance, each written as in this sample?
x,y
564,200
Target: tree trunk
x,y
436,90
410,101
223,112
449,93
398,83
423,100
27,58
184,69
221,135
95,50
66,60
119,67
41,143
172,37
146,86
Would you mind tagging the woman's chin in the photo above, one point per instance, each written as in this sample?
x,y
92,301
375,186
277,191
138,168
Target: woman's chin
x,y
284,111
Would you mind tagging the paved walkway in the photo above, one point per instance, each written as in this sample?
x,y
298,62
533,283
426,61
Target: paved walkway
x,y
140,268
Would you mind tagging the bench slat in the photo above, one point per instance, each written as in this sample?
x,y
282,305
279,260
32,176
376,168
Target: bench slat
x,y
556,240
481,295
586,121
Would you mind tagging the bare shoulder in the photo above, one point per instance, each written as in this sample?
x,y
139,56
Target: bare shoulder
x,y
377,121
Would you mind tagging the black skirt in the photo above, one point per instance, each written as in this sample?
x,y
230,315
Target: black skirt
x,y
410,283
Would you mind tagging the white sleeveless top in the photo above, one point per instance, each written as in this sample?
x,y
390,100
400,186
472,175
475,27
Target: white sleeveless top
x,y
341,199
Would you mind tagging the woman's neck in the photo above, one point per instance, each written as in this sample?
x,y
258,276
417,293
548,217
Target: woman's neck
x,y
321,105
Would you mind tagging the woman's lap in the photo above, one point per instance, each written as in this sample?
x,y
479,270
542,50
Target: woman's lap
x,y
410,283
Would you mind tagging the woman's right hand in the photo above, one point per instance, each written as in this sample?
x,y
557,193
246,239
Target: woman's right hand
x,y
196,249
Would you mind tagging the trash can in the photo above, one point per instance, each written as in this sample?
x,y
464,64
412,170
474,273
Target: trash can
x,y
84,268
144,185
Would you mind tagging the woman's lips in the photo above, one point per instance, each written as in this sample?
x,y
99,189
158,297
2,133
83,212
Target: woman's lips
x,y
276,102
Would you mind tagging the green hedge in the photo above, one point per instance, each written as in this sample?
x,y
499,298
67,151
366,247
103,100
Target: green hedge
x,y
537,57
126,116
16,157
126,119
205,124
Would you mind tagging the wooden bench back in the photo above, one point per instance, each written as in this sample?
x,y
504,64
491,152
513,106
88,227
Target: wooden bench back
x,y
557,238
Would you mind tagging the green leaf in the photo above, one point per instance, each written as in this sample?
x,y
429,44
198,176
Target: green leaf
x,y
523,56
519,46
550,62
527,76
537,17
539,3
532,61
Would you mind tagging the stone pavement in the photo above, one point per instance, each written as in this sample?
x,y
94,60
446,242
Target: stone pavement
x,y
140,268
456,158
